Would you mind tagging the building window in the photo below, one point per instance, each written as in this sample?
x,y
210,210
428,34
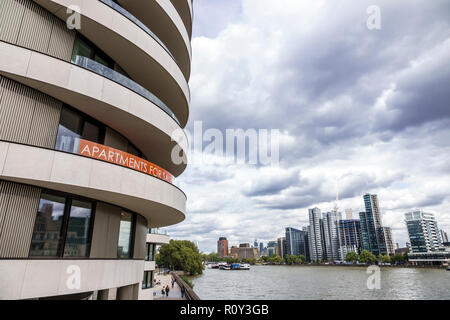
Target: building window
x,y
150,252
46,239
62,227
73,126
147,282
77,239
127,223
84,48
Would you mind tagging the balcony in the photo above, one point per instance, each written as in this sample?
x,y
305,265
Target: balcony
x,y
119,78
136,21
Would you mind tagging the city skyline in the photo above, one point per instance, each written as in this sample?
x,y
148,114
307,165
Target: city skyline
x,y
322,247
358,110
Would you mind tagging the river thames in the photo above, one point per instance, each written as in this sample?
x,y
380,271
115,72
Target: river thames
x,y
321,282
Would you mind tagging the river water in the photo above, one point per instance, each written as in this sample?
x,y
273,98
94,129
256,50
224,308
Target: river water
x,y
321,282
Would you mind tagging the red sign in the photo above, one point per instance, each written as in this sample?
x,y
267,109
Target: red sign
x,y
101,152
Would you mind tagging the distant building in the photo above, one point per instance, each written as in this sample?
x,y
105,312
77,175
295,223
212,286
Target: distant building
x,y
315,235
222,247
423,231
374,236
261,248
330,235
350,239
444,236
348,214
401,250
248,253
387,232
255,244
244,245
234,252
281,247
296,243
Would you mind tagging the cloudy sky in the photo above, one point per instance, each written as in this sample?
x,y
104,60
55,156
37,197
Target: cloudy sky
x,y
359,110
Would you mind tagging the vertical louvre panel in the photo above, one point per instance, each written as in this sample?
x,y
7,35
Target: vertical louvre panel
x,y
27,116
18,207
16,111
36,28
11,15
61,41
44,126
24,23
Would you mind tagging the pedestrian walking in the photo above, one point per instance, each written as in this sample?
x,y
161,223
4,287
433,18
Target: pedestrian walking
x,y
167,290
182,291
173,283
163,292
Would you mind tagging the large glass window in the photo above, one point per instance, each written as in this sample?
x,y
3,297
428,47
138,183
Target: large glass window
x,y
150,252
125,235
84,48
147,282
46,240
77,239
62,227
74,126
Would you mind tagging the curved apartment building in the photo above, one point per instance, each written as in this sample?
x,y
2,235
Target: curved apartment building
x,y
90,94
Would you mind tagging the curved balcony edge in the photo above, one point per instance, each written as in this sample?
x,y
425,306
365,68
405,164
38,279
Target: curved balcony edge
x,y
163,18
34,278
132,48
160,202
157,238
98,96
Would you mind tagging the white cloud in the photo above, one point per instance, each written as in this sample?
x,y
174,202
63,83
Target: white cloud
x,y
369,108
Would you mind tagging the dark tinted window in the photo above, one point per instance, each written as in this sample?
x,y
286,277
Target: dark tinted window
x,y
125,233
69,130
148,280
46,239
77,239
92,132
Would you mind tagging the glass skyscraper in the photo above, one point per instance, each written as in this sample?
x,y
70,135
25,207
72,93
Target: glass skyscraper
x,y
350,238
423,231
295,242
373,234
316,242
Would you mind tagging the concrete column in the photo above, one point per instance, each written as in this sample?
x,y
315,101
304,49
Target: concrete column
x,y
130,292
107,294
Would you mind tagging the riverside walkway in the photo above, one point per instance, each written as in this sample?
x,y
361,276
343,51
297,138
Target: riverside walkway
x,y
164,280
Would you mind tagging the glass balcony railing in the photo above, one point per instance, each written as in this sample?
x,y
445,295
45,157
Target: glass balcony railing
x,y
136,21
157,231
119,78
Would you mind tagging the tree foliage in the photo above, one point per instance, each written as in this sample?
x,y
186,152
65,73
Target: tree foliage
x,y
384,258
351,257
367,257
181,255
293,259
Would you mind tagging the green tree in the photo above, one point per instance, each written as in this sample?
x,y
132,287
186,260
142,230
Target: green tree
x,y
351,257
276,259
181,255
367,257
384,258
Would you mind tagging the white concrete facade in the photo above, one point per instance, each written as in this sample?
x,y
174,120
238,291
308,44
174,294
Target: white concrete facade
x,y
122,203
27,279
